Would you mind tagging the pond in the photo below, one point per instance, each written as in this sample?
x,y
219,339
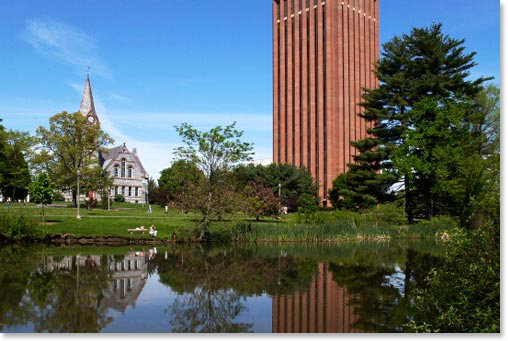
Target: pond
x,y
279,288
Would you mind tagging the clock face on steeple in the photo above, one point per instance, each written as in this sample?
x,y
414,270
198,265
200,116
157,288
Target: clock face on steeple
x,y
91,119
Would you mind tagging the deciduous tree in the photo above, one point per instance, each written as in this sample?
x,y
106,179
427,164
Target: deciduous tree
x,y
214,153
42,191
71,143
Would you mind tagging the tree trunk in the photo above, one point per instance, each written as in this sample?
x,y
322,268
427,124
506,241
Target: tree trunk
x,y
206,218
74,199
409,201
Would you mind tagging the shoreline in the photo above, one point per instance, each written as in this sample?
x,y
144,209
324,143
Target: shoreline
x,y
71,240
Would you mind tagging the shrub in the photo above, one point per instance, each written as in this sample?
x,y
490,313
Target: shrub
x,y
386,215
307,209
464,294
58,197
119,198
432,227
15,226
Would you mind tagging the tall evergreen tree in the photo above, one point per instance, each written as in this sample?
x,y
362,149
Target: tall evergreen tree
x,y
364,185
425,63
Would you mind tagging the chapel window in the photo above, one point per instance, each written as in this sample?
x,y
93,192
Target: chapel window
x,y
123,168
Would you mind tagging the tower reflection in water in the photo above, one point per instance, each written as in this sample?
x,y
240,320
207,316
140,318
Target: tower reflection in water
x,y
323,308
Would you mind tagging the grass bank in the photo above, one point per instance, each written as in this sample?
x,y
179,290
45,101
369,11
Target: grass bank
x,y
23,223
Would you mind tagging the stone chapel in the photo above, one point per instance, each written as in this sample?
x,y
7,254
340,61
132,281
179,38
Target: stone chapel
x,y
130,178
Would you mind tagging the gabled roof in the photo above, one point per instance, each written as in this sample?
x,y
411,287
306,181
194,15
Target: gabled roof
x,y
111,154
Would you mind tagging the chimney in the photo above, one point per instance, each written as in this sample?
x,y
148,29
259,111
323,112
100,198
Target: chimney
x,y
134,151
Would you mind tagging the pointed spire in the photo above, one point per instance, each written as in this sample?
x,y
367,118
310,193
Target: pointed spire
x,y
87,106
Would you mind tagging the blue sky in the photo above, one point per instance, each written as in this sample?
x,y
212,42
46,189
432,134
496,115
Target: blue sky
x,y
156,64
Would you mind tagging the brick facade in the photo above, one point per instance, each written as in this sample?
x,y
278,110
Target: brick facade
x,y
324,53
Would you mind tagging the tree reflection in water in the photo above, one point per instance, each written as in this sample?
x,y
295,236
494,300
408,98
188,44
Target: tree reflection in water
x,y
204,311
311,287
214,286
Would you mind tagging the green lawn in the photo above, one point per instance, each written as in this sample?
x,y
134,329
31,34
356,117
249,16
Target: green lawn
x,y
61,219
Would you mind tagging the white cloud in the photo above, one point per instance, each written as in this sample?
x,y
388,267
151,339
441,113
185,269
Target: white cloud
x,y
65,43
118,97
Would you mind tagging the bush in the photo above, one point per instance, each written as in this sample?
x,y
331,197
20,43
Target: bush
x,y
307,209
464,294
433,227
15,226
119,198
386,215
58,197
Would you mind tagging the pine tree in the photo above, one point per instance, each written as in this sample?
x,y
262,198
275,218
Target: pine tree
x,y
425,63
364,185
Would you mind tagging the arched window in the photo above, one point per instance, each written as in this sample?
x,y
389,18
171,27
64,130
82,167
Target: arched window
x,y
130,172
116,171
123,168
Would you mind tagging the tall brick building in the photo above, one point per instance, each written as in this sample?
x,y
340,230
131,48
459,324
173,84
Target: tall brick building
x,y
324,53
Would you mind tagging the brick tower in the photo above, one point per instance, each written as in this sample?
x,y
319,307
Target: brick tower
x,y
324,53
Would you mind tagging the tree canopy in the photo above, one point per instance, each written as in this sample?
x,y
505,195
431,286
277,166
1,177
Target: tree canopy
x,y
424,118
71,143
214,153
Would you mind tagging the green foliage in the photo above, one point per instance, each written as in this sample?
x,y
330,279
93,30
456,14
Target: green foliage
x,y
119,198
386,215
15,173
42,191
58,197
294,181
214,153
176,178
71,144
464,294
422,122
307,208
363,186
15,225
257,200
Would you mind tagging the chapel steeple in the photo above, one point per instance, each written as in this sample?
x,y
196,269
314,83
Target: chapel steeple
x,y
87,107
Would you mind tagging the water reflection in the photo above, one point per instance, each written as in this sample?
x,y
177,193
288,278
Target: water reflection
x,y
323,307
307,288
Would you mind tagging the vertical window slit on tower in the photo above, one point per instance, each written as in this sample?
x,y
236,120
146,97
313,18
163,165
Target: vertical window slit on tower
x,y
316,102
344,18
286,91
308,94
301,89
325,126
293,90
349,85
278,92
355,93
